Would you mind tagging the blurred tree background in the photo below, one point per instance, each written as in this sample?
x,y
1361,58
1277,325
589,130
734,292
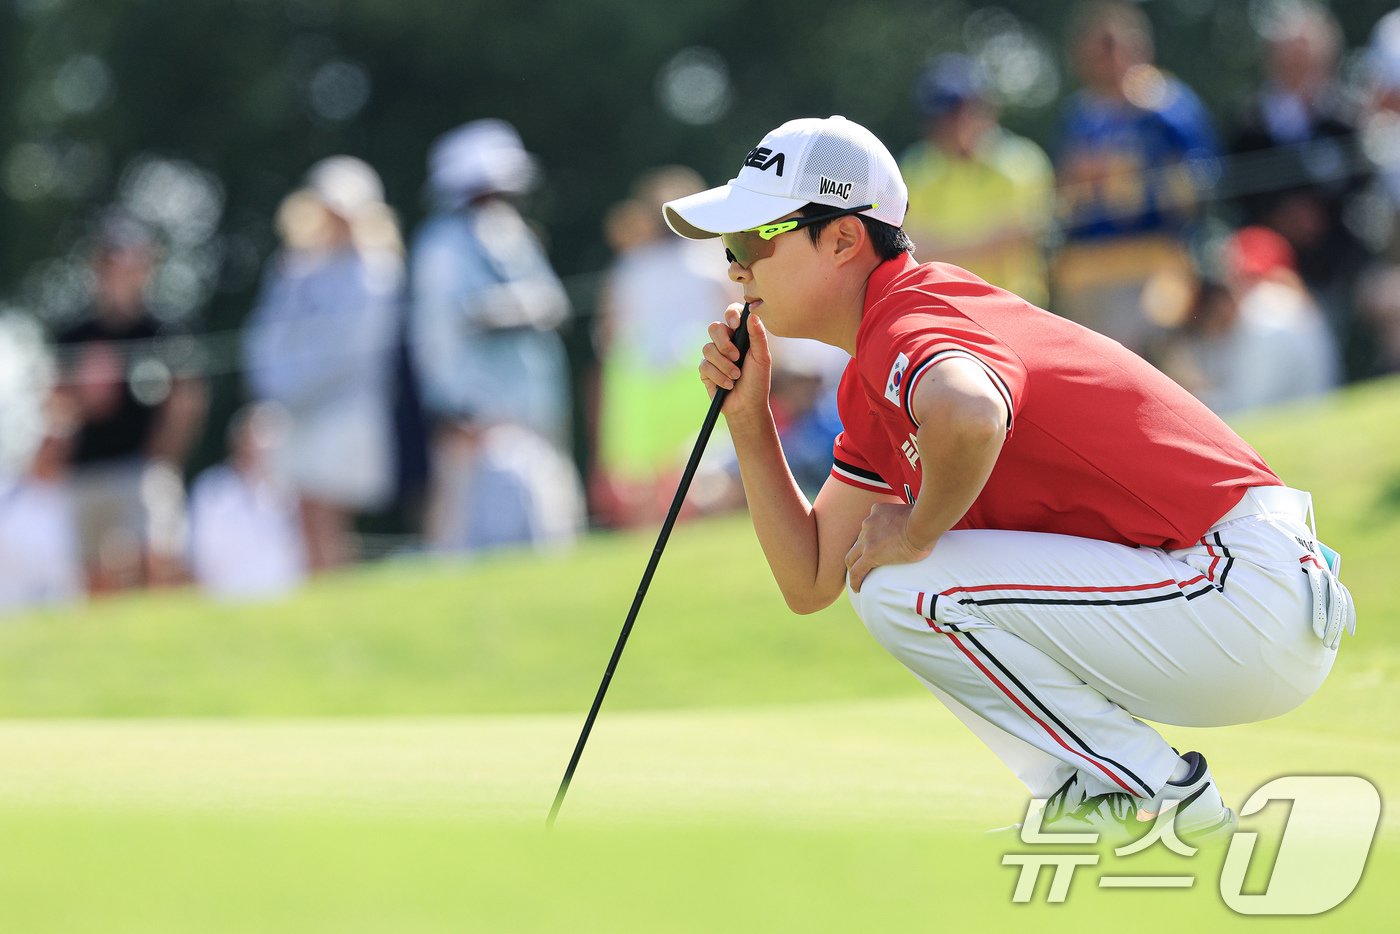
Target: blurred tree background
x,y
201,116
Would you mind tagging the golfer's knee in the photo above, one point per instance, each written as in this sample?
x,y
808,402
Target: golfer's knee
x,y
887,607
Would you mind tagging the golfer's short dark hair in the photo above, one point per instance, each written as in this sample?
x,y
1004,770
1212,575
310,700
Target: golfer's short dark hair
x,y
889,241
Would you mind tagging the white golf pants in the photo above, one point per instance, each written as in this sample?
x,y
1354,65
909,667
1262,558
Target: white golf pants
x,y
1050,647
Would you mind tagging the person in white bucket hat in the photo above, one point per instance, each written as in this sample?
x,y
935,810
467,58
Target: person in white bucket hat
x,y
491,365
1050,534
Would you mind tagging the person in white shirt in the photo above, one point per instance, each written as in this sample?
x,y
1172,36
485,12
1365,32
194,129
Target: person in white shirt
x,y
245,538
40,561
1258,339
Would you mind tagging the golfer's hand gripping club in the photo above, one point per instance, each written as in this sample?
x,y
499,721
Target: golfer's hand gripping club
x,y
741,340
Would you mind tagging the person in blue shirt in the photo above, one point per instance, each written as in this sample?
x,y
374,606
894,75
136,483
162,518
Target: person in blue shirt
x,y
486,307
1137,152
486,303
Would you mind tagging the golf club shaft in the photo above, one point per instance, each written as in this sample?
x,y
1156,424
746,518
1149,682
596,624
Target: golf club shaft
x,y
741,340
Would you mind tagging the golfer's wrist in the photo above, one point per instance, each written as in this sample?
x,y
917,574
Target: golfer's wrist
x,y
920,533
750,422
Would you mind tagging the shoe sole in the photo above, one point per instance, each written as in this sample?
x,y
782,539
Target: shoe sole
x,y
1211,833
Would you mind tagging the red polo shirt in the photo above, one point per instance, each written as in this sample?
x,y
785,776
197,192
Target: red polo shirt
x,y
1100,444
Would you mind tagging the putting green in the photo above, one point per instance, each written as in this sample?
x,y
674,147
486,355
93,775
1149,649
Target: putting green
x,y
903,764
835,816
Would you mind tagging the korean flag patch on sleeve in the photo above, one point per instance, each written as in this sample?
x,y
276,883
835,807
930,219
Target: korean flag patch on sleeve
x,y
896,380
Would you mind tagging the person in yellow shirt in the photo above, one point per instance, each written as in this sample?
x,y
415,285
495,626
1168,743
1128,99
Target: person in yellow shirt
x,y
980,196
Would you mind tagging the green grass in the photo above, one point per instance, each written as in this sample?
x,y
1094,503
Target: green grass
x,y
368,875
828,817
378,753
510,635
524,635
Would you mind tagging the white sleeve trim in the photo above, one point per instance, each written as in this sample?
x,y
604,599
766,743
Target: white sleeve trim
x,y
923,368
865,479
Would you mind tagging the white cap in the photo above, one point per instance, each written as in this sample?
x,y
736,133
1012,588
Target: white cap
x,y
831,161
346,185
481,157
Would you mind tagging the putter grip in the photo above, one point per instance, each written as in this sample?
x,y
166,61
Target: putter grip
x,y
741,340
741,335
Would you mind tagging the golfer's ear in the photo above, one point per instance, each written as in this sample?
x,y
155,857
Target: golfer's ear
x,y
847,234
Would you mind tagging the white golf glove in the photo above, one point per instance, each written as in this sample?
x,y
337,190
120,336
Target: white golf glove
x,y
1333,608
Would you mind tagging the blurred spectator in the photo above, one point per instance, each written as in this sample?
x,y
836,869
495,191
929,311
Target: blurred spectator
x,y
1297,163
320,343
1378,298
40,559
245,534
658,297
1136,151
1382,122
980,196
1376,329
133,381
503,485
486,309
1255,337
27,374
803,400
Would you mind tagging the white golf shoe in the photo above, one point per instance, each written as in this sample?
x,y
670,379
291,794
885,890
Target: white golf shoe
x,y
1200,815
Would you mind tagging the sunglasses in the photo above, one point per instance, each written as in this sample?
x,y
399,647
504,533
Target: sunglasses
x,y
747,247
